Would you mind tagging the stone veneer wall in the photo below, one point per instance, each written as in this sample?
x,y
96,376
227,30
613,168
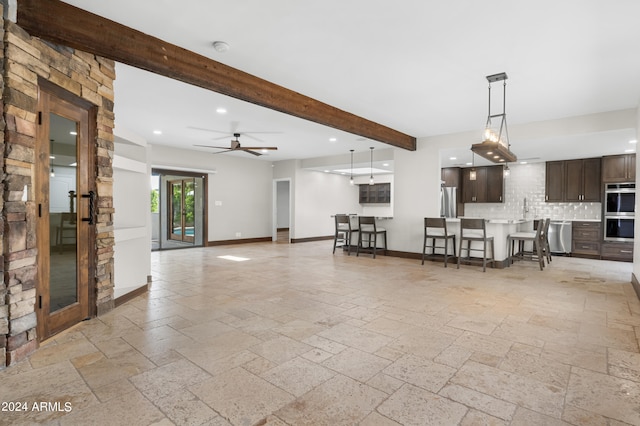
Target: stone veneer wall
x,y
91,78
4,309
528,180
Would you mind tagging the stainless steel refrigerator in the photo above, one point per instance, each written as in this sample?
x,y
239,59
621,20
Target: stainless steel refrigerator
x,y
448,201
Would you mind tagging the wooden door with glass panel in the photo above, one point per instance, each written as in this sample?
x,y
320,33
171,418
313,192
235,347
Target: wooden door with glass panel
x,y
64,202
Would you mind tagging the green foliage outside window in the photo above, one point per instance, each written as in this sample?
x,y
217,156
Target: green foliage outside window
x,y
154,200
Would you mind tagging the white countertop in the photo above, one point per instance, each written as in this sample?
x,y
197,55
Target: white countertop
x,y
510,221
497,221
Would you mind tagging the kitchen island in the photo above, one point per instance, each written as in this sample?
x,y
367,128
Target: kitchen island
x,y
499,229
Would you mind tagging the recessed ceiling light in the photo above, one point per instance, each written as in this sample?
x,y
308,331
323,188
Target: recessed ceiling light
x,y
326,171
332,139
452,158
630,150
523,162
490,152
221,46
221,110
73,133
385,164
469,164
264,151
633,141
157,132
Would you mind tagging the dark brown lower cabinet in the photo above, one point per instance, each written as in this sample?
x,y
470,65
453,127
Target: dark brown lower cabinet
x,y
586,239
614,250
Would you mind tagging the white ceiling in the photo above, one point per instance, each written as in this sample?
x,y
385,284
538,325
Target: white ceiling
x,y
416,66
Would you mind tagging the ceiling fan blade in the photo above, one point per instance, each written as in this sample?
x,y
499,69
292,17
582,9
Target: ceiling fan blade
x,y
206,130
222,152
221,137
215,147
257,154
270,148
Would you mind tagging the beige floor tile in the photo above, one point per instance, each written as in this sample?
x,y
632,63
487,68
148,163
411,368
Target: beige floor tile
x,y
608,396
168,379
298,376
280,350
624,364
411,405
184,408
241,397
375,419
535,367
475,418
480,401
356,364
420,372
129,409
338,401
510,387
524,417
71,348
294,307
355,337
109,370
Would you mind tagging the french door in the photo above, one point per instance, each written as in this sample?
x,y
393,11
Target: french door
x,y
65,215
181,209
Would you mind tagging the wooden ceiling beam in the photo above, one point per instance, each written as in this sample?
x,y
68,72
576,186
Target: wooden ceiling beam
x,y
68,25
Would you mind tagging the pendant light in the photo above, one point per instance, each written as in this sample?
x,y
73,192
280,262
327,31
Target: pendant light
x,y
472,173
506,172
495,145
351,179
371,167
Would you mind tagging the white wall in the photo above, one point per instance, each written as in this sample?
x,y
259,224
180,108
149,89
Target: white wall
x,y
239,195
317,197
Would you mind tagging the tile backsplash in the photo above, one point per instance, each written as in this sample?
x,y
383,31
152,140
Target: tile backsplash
x,y
527,181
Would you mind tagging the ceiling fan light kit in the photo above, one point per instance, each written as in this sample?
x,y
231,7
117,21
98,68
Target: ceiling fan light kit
x,y
495,145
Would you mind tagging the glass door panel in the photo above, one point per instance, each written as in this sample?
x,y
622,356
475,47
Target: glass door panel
x,y
175,207
63,284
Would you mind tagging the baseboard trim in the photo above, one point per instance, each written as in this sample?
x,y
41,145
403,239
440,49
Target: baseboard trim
x,y
635,284
131,295
240,241
499,264
310,239
282,229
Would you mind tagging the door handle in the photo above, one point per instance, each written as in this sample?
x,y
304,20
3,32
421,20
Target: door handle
x,y
92,201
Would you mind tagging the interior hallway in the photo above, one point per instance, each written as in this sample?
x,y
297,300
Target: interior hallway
x,y
298,336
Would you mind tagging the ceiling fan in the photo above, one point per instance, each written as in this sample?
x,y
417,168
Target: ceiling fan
x,y
235,146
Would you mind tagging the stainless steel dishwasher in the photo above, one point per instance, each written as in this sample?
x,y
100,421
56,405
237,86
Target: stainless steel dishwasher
x,y
560,236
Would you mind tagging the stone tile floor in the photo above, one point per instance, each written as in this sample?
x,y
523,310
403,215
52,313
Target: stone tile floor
x,y
297,336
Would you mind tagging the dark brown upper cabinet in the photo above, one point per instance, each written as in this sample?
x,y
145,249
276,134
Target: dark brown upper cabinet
x,y
619,168
379,193
573,181
554,182
488,187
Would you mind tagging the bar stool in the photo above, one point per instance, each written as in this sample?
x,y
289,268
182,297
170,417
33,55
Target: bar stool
x,y
534,237
546,249
474,230
435,228
343,232
367,228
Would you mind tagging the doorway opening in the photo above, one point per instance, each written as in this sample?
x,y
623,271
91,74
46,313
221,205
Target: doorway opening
x,y
282,211
178,209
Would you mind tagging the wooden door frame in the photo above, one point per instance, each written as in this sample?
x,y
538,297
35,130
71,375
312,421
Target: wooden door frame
x,y
65,101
